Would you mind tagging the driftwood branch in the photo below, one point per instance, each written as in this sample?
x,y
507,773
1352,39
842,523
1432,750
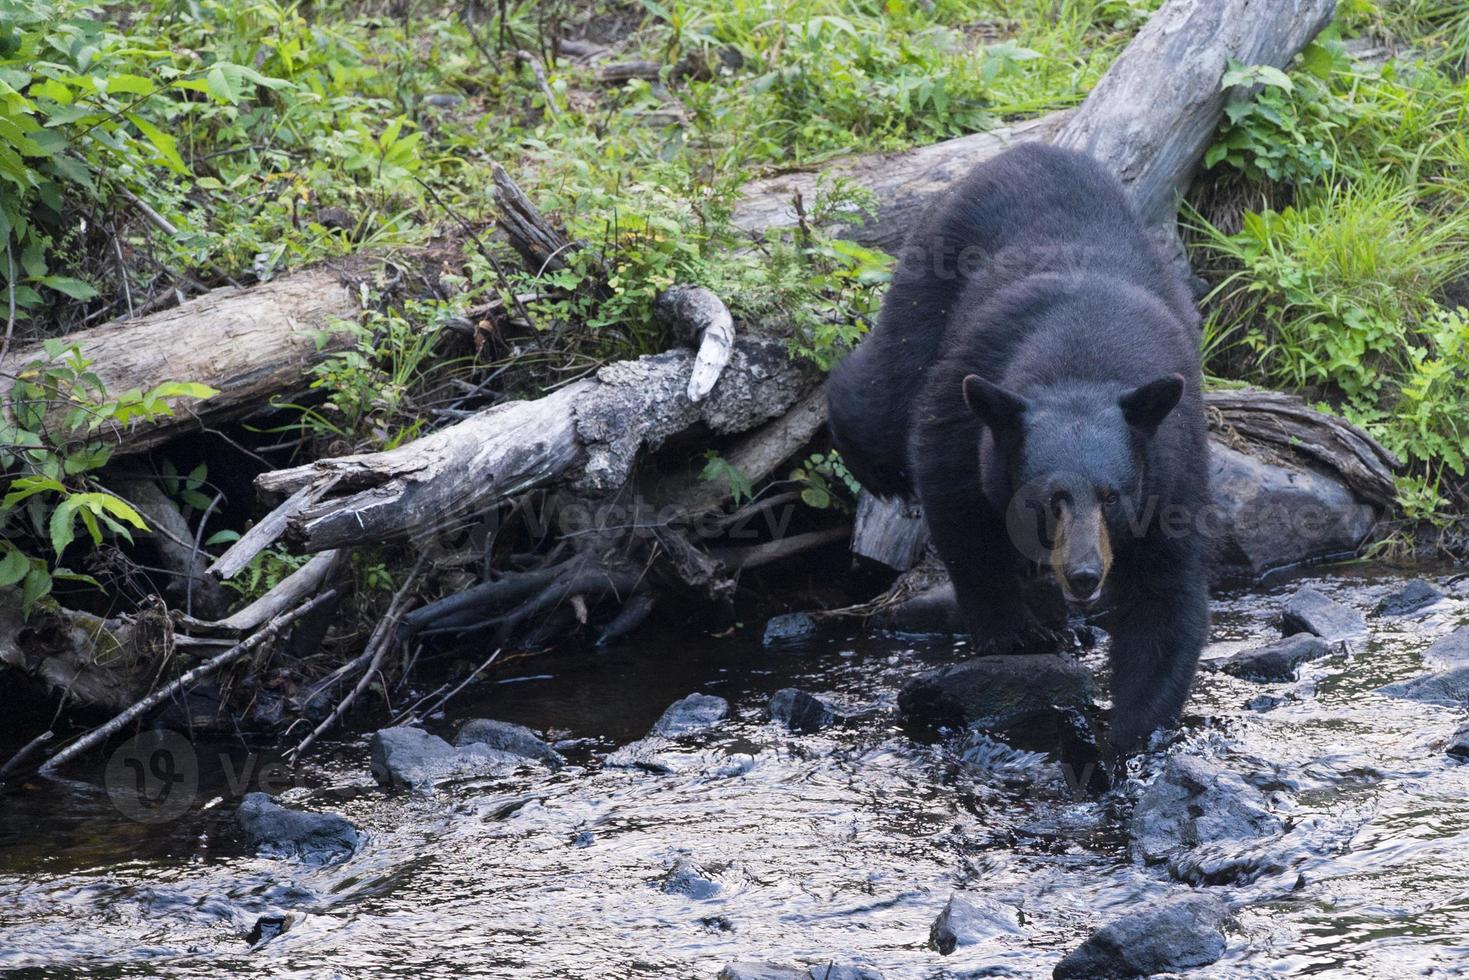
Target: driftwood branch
x,y
543,247
696,315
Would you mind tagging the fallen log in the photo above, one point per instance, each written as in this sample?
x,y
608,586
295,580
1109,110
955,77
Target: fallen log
x,y
1149,118
587,435
248,344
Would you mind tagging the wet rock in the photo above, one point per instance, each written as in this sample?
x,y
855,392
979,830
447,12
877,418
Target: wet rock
x,y
1449,688
788,629
1166,937
267,927
933,611
799,711
1449,651
1022,698
969,920
695,713
689,880
1270,515
1308,611
415,760
786,971
1411,598
507,737
274,831
1458,746
1277,661
1201,818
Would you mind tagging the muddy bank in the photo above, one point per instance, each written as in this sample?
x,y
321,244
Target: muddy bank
x,y
1337,848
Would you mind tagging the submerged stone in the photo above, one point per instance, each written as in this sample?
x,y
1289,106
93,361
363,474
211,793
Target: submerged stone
x,y
800,712
416,760
1449,688
785,971
969,920
507,737
689,880
316,838
687,716
1308,611
1166,937
1277,661
1458,746
1449,651
788,628
1413,597
1202,820
1025,698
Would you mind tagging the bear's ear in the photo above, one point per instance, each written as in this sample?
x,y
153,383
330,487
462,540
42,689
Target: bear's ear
x,y
996,407
1146,406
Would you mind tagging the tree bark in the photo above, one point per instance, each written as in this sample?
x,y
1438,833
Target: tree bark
x,y
248,343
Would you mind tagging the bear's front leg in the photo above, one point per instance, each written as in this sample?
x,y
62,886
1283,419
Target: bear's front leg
x,y
1158,632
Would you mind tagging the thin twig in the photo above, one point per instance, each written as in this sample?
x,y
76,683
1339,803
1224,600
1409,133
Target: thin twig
x,y
381,641
195,572
445,699
26,750
158,220
100,734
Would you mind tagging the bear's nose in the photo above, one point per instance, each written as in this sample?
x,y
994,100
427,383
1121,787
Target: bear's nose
x,y
1083,582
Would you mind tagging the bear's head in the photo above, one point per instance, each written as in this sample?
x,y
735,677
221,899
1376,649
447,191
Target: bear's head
x,y
1069,466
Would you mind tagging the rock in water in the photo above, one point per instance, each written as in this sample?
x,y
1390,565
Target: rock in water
x,y
688,879
785,971
1458,746
800,712
788,629
1274,515
1021,698
1449,651
1308,611
933,611
1278,661
969,920
1166,937
413,759
695,713
515,739
316,838
1194,805
1413,597
1449,688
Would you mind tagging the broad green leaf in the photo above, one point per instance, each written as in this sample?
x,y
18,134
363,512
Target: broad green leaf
x,y
166,145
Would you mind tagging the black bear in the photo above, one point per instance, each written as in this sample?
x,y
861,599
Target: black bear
x,y
1034,380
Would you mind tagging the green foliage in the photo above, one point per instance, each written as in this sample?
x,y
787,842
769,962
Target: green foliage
x,y
1345,293
826,482
264,572
49,457
717,469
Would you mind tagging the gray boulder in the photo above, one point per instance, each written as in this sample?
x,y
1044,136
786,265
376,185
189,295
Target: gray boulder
x,y
800,712
274,831
415,760
1449,688
687,716
788,629
971,919
1449,651
1269,515
1166,937
1308,611
507,737
1203,821
1417,595
1276,661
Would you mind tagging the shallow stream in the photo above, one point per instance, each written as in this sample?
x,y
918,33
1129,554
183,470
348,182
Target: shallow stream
x,y
838,847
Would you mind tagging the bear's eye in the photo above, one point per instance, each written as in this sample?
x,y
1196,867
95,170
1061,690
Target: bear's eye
x,y
1109,497
1060,500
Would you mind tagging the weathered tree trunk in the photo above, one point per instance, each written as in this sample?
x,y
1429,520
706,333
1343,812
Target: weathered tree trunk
x,y
1149,119
589,434
248,343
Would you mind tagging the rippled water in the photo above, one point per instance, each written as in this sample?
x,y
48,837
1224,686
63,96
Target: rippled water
x,y
841,846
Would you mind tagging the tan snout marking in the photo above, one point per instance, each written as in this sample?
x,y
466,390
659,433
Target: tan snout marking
x,y
1081,539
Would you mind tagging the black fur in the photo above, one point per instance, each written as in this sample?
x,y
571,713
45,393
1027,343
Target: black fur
x,y
1037,276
